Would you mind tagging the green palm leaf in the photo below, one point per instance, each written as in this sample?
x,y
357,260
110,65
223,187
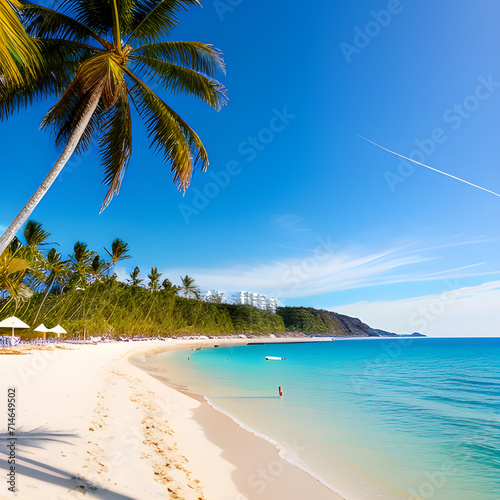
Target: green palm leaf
x,y
171,135
116,145
35,234
61,59
18,51
64,117
99,74
43,22
198,56
154,19
178,79
98,13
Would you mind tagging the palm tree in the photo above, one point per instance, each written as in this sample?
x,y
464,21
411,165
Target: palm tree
x,y
135,279
17,48
119,251
99,54
97,269
166,284
80,265
188,288
57,273
154,279
35,236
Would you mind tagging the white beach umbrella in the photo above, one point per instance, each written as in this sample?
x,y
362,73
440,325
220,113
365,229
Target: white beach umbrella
x,y
58,329
13,322
42,329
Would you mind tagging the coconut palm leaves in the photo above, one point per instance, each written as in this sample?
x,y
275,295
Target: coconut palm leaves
x,y
188,288
154,279
80,264
100,56
12,273
17,48
135,277
56,269
119,251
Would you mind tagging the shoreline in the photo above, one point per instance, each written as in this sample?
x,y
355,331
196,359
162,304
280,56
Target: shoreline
x,y
91,424
270,471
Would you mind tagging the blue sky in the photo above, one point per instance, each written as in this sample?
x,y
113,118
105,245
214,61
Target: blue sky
x,y
295,204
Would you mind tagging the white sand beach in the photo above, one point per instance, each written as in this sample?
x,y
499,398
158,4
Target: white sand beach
x,y
88,423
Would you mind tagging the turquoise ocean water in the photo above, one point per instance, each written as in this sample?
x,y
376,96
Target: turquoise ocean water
x,y
375,418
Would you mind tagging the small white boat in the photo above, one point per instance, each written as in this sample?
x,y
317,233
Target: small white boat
x,y
273,358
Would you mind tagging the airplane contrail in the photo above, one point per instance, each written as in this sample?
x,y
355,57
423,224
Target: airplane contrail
x,y
430,168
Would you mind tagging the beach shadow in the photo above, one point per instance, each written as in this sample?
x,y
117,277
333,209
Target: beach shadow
x,y
27,442
36,438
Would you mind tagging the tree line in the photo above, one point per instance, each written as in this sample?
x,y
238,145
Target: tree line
x,y
82,293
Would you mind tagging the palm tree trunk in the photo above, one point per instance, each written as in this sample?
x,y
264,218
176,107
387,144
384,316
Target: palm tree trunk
x,y
49,287
73,141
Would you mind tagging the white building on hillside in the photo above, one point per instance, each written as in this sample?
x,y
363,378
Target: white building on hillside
x,y
256,300
249,298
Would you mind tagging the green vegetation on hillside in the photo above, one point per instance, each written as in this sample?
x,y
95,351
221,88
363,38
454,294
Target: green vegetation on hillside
x,y
312,321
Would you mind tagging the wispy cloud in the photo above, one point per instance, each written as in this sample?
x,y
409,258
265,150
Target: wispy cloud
x,y
330,268
455,312
292,222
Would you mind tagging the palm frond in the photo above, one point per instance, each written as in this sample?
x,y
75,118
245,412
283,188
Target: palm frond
x,y
178,79
99,15
98,74
18,51
115,145
154,19
61,61
170,134
64,117
43,22
197,56
119,251
35,234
